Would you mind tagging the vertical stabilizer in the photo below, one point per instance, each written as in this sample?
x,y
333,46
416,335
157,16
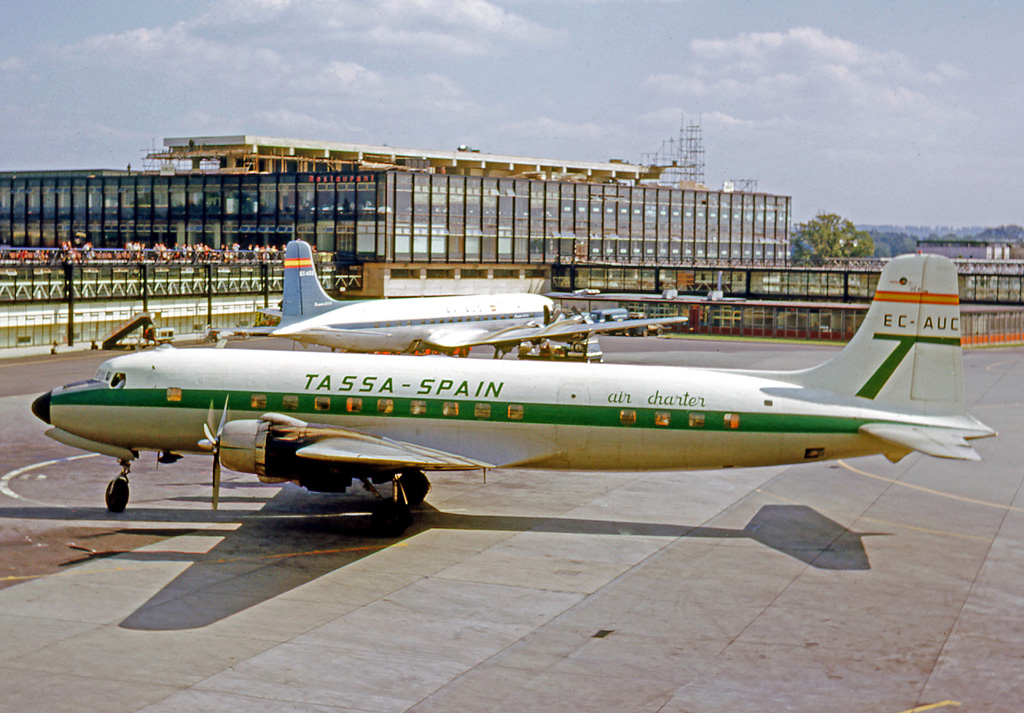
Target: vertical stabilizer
x,y
303,294
907,351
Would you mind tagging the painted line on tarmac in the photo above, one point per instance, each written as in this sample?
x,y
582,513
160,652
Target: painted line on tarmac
x,y
932,706
930,491
5,481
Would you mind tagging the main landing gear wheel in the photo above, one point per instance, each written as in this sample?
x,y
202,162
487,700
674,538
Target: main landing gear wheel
x,y
390,518
415,484
118,490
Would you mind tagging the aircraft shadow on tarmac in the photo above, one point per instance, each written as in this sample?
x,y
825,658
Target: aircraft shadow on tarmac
x,y
295,539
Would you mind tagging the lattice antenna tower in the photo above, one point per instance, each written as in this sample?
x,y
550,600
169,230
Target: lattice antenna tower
x,y
692,138
681,159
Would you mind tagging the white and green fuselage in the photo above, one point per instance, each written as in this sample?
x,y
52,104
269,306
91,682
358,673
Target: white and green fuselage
x,y
547,415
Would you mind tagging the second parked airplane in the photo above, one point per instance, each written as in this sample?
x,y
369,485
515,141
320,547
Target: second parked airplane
x,y
445,324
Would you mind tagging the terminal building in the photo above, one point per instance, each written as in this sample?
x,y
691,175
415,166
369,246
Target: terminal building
x,y
397,221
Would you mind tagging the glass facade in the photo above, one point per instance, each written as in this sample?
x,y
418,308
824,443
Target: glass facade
x,y
397,216
218,210
434,217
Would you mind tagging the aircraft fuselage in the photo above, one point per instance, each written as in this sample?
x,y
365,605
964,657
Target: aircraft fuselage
x,y
543,415
402,324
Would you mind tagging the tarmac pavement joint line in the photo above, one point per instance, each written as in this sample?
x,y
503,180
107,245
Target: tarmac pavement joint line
x,y
930,491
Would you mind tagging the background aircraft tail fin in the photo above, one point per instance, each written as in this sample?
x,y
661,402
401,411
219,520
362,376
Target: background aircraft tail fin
x,y
303,294
907,351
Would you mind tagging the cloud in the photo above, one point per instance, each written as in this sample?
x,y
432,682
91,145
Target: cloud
x,y
451,27
805,72
291,123
547,128
177,51
344,78
12,64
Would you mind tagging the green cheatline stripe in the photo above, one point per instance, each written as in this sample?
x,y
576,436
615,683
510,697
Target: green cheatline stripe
x,y
884,372
211,401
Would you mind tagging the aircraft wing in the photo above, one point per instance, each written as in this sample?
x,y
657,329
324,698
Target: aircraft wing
x,y
456,338
563,330
238,333
567,329
359,448
933,441
296,330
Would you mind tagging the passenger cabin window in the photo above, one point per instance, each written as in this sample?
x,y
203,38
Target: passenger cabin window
x,y
385,405
515,412
662,418
258,401
482,411
732,420
322,403
627,417
290,402
696,420
450,408
354,404
173,394
417,407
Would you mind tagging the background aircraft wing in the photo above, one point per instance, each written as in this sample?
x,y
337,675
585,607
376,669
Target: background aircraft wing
x,y
931,440
238,333
456,338
567,329
358,448
564,329
294,329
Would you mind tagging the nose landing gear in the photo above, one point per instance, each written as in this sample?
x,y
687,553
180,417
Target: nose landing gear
x,y
118,490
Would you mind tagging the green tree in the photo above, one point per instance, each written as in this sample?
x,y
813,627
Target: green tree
x,y
829,235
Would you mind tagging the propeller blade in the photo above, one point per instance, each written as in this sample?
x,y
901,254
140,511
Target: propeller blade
x,y
214,441
216,480
223,419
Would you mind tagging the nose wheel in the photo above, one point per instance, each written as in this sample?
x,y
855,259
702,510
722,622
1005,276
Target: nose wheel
x,y
118,490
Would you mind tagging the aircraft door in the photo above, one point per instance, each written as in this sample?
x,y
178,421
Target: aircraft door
x,y
575,430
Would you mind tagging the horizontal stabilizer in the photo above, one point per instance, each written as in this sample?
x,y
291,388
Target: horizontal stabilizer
x,y
385,452
933,441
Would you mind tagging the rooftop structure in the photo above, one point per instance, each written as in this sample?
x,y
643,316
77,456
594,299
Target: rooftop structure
x,y
261,154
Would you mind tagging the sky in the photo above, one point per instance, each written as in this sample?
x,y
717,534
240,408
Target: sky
x,y
902,113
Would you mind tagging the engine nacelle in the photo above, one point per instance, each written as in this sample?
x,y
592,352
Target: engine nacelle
x,y
267,447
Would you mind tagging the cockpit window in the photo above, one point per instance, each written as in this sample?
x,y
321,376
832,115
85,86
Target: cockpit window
x,y
117,381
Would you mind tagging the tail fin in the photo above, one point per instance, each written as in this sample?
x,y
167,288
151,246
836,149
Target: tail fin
x,y
907,351
303,294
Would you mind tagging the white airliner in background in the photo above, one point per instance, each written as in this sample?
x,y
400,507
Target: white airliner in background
x,y
322,420
408,324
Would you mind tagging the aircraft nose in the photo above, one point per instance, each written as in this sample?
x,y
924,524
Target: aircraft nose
x,y
41,407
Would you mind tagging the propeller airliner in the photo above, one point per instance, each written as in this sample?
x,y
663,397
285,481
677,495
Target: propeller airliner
x,y
324,420
451,325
